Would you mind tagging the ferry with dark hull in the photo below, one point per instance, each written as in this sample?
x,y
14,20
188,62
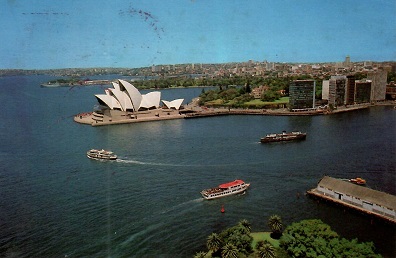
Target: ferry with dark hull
x,y
101,155
226,189
282,137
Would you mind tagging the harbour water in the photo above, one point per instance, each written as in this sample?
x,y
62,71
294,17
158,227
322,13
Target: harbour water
x,y
55,202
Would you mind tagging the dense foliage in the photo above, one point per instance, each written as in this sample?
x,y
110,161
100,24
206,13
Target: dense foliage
x,y
231,96
232,242
313,238
391,77
307,238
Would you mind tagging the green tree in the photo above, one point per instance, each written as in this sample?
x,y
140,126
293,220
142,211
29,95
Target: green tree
x,y
229,251
200,255
313,238
270,95
266,250
240,237
246,224
276,225
213,242
391,77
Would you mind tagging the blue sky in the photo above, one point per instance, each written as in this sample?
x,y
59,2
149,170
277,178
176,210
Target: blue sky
x,y
46,34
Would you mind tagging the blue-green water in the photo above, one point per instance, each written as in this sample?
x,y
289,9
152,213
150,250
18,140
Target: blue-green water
x,y
55,202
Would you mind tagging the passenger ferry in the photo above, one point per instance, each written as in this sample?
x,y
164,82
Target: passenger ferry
x,y
280,137
101,154
226,189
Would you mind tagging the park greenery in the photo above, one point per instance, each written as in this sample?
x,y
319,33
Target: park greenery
x,y
307,238
233,91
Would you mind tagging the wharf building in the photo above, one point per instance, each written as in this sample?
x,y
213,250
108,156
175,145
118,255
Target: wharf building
x,y
302,95
361,198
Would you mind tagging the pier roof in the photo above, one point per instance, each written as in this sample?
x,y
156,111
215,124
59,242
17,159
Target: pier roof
x,y
362,192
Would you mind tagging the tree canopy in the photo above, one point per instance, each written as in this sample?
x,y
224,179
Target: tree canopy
x,y
313,238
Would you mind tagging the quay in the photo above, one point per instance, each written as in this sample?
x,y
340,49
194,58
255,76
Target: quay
x,y
363,199
118,117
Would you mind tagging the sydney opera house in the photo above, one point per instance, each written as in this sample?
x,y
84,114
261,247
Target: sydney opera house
x,y
125,104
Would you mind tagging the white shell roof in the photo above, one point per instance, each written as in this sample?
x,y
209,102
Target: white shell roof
x,y
151,99
133,93
174,103
125,96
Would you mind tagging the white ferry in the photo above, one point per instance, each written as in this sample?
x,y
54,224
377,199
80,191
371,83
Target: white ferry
x,y
101,154
226,189
281,137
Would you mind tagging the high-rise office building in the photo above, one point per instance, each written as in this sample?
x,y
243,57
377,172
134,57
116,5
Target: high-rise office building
x,y
347,62
362,91
350,90
302,94
325,90
378,84
337,89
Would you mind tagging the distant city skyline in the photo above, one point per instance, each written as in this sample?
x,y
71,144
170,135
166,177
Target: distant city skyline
x,y
81,34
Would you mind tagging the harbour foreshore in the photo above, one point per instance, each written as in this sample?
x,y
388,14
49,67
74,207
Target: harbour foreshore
x,y
197,112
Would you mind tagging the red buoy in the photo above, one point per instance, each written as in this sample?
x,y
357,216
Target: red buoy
x,y
222,209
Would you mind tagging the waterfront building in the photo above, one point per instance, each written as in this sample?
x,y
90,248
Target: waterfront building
x,y
325,89
124,104
362,91
302,94
337,89
364,199
378,84
350,90
391,90
125,97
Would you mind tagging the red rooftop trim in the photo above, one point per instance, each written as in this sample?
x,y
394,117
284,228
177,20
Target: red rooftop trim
x,y
233,183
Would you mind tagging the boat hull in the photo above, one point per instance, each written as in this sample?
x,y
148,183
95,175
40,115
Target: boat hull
x,y
284,138
100,158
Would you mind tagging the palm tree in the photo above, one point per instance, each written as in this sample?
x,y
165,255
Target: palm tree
x,y
229,251
266,251
200,255
213,242
275,223
246,224
261,243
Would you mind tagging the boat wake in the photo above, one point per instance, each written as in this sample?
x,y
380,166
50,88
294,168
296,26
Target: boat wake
x,y
144,235
137,162
178,206
130,161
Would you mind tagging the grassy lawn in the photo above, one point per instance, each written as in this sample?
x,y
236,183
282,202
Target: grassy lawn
x,y
283,100
256,102
215,102
258,236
